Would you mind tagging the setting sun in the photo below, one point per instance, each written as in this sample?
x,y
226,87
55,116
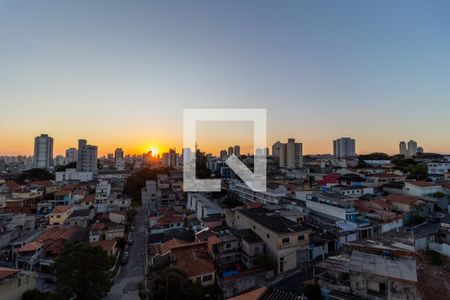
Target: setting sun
x,y
153,150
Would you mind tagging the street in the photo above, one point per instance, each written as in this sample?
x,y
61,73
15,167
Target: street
x,y
126,284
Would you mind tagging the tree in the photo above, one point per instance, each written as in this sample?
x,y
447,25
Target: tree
x,y
33,175
34,294
136,182
84,271
313,292
231,200
201,170
173,284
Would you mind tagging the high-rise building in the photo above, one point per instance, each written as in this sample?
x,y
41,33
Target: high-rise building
x,y
237,150
230,151
403,150
186,155
87,157
43,151
71,155
276,148
290,155
420,150
171,159
412,148
119,159
223,154
344,147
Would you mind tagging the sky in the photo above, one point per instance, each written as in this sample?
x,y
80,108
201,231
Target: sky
x,y
120,73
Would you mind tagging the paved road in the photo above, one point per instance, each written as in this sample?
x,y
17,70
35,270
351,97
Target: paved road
x,y
126,284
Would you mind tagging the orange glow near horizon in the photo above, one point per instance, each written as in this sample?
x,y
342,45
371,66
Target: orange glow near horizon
x,y
154,151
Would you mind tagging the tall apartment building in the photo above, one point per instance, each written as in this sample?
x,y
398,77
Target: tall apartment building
x,y
87,157
119,159
290,155
43,151
71,155
344,147
237,150
171,158
412,148
276,148
223,154
403,150
230,151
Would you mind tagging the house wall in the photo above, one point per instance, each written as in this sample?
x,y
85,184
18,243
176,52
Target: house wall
x,y
13,289
202,278
394,290
284,253
234,286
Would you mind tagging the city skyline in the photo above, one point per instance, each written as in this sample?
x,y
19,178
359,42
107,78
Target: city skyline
x,y
123,75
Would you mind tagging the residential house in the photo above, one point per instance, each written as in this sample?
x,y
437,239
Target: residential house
x,y
14,282
194,260
60,214
285,241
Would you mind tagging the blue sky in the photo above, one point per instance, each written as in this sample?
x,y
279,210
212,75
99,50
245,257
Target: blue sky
x,y
119,73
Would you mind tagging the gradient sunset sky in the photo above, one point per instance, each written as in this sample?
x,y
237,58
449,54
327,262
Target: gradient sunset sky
x,y
119,73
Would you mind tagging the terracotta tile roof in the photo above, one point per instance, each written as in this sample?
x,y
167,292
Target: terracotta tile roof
x,y
79,192
179,251
379,202
169,220
89,199
107,245
12,186
42,182
63,193
7,272
401,199
118,212
445,185
70,186
61,209
254,205
195,262
31,246
423,184
386,175
167,246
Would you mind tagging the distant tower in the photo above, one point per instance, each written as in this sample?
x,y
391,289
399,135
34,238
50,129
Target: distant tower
x,y
223,154
237,150
87,157
71,155
402,148
344,147
412,148
43,151
290,154
119,160
230,151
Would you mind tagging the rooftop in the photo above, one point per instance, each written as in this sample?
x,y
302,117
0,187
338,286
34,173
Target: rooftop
x,y
397,269
273,221
60,209
423,184
247,235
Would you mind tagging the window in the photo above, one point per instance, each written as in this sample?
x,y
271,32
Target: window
x,y
228,246
301,237
207,278
268,236
285,240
